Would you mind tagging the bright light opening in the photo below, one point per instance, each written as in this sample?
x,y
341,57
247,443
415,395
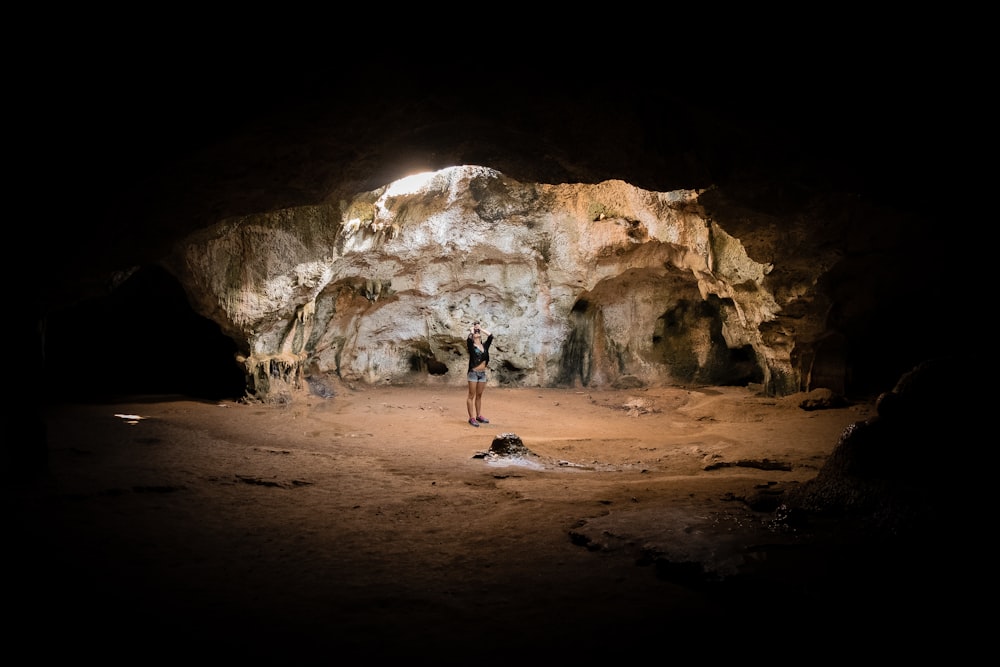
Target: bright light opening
x,y
410,184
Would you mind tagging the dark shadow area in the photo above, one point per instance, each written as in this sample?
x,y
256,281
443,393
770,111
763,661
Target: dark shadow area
x,y
142,338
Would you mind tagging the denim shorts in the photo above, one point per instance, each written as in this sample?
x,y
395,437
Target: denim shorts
x,y
477,376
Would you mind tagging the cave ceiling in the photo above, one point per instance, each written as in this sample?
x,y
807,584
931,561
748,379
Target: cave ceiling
x,y
141,165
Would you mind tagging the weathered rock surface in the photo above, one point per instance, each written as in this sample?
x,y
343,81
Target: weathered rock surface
x,y
581,284
744,237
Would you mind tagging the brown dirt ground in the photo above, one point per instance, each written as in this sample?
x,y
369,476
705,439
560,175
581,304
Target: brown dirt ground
x,y
373,524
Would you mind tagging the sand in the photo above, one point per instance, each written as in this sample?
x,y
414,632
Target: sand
x,y
377,524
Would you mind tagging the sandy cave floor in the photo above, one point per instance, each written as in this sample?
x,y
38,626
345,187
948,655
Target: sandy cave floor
x,y
372,524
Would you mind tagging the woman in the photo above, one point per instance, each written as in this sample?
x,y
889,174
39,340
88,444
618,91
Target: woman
x,y
479,357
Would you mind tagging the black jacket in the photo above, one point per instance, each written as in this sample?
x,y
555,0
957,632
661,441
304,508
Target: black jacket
x,y
476,356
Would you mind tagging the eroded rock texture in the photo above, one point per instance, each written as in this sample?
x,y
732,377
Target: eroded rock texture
x,y
645,235
582,284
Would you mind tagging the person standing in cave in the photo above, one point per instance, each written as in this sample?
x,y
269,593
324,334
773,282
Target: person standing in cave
x,y
479,358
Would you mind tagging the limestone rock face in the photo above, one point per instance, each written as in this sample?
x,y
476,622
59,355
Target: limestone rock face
x,y
646,234
581,284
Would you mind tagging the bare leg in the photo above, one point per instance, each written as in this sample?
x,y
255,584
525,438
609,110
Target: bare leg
x,y
472,399
480,388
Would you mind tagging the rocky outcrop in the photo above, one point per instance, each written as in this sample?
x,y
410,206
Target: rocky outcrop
x,y
741,237
880,479
582,284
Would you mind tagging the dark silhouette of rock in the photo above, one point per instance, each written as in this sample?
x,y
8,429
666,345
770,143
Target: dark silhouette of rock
x,y
883,477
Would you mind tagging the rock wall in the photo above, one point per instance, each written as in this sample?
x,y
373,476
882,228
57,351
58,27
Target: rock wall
x,y
582,285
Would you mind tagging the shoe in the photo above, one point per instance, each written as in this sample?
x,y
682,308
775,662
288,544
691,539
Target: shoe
x,y
482,420
474,423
